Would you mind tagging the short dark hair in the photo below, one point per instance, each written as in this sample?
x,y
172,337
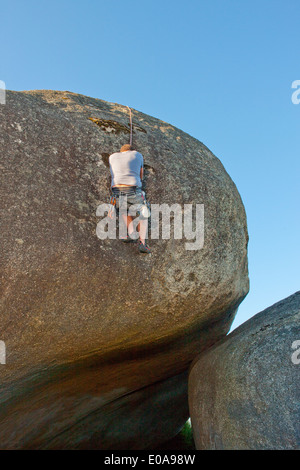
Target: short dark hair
x,y
126,147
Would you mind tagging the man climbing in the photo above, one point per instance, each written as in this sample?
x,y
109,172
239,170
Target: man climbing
x,y
127,168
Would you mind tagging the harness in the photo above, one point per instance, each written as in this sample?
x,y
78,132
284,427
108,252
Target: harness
x,y
128,191
124,191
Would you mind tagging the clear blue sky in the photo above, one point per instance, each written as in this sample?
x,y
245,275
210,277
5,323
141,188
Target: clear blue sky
x,y
219,70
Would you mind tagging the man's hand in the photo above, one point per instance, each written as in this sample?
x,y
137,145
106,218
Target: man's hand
x,y
112,208
111,212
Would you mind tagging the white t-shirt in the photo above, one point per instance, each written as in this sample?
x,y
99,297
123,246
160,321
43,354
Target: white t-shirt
x,y
125,168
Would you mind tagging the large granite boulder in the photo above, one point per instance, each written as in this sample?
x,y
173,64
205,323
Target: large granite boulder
x,y
91,326
244,391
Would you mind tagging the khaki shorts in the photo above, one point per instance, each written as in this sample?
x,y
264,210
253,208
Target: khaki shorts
x,y
136,198
124,201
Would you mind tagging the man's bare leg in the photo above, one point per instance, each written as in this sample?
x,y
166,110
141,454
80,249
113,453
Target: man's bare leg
x,y
142,229
127,219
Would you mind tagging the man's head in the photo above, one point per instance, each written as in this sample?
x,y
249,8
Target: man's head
x,y
126,147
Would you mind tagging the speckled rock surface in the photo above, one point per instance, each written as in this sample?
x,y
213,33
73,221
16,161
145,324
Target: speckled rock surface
x,y
244,391
88,321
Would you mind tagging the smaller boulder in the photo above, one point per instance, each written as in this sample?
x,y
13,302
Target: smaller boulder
x,y
244,391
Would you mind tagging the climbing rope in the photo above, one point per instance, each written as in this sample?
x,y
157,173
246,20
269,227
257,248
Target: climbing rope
x,y
130,126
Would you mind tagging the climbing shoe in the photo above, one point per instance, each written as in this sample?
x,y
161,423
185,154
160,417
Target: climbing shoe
x,y
128,239
143,248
